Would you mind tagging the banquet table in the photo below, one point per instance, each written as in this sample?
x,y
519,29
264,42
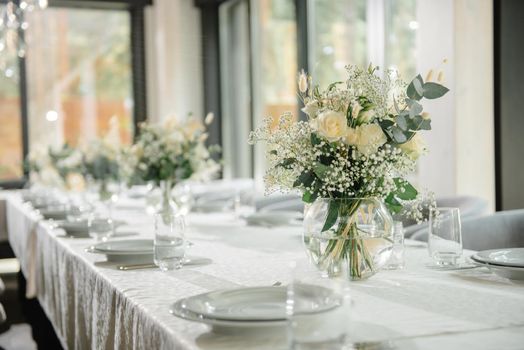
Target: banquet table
x,y
93,305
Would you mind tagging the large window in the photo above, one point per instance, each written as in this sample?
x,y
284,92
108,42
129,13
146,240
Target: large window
x,y
82,64
78,75
10,121
259,70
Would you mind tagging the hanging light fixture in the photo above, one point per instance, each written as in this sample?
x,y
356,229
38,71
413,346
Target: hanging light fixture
x,y
13,24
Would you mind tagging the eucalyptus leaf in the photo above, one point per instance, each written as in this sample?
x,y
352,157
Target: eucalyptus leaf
x,y
401,122
416,108
412,91
434,90
398,135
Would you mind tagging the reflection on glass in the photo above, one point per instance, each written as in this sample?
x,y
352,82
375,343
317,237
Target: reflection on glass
x,y
401,36
274,63
358,32
79,75
338,32
10,122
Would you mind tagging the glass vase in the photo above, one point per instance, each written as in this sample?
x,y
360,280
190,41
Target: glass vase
x,y
167,206
350,236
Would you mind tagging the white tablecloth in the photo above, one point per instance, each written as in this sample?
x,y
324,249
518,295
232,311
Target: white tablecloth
x,y
93,305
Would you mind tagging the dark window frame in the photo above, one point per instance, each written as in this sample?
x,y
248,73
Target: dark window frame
x,y
138,67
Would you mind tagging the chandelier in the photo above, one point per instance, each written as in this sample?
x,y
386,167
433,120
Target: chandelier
x,y
13,24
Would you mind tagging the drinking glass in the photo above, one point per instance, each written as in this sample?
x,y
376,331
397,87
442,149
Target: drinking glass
x,y
100,227
170,243
244,203
396,260
445,237
318,310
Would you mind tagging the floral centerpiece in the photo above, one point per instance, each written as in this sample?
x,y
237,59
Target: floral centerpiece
x,y
350,160
56,167
102,160
172,151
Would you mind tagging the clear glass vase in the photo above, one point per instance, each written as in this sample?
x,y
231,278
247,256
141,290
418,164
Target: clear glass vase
x,y
167,206
349,236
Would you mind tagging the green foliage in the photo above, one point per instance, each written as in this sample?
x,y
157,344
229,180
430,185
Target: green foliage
x,y
404,191
434,90
332,215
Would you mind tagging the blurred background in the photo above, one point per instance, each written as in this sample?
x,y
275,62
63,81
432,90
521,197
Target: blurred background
x,y
68,66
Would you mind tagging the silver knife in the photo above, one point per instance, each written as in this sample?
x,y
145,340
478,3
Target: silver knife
x,y
135,267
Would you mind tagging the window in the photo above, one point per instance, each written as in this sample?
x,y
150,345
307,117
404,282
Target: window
x,y
78,74
337,36
259,68
83,64
343,32
11,154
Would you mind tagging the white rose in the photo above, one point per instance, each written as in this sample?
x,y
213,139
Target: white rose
x,y
351,137
415,147
332,125
370,138
311,109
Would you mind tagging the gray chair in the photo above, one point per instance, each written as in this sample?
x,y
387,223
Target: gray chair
x,y
469,206
504,229
288,205
274,200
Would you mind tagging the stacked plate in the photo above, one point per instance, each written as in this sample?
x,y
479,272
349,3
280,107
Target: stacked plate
x,y
246,307
74,228
507,263
138,251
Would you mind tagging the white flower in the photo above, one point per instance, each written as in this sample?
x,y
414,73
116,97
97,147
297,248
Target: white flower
x,y
355,110
302,82
415,147
366,117
311,109
351,137
370,138
209,118
332,125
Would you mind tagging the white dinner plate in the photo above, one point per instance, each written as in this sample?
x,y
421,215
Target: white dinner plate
x,y
51,213
511,257
245,307
275,218
136,250
77,228
514,273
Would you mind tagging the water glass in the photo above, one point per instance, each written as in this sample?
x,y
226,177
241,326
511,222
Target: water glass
x,y
318,310
170,243
396,260
100,227
244,203
445,237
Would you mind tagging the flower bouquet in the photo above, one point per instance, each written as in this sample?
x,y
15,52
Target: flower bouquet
x,y
56,167
102,161
171,152
350,159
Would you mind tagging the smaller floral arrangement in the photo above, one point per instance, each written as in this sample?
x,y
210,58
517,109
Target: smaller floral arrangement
x,y
173,151
102,157
55,167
